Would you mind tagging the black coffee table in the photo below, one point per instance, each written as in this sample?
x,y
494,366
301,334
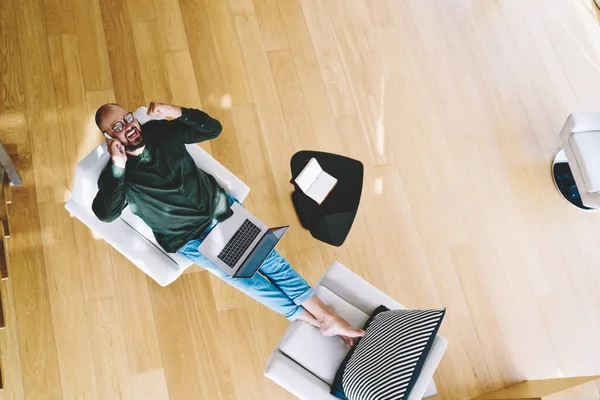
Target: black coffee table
x,y
331,221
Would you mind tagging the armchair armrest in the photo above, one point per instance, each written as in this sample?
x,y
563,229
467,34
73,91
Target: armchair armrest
x,y
355,290
294,378
580,122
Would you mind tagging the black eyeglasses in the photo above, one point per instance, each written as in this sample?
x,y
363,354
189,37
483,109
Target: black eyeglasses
x,y
119,125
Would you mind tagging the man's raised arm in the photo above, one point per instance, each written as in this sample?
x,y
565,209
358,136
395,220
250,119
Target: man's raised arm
x,y
194,125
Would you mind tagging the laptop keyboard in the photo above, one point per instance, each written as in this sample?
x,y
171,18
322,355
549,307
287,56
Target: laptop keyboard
x,y
239,243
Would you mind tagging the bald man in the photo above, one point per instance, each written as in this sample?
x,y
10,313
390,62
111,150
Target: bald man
x,y
151,171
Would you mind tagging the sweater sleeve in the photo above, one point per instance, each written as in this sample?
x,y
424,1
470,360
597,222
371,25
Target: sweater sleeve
x,y
196,126
110,200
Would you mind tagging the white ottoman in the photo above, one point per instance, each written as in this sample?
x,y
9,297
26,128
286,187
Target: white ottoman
x,y
305,361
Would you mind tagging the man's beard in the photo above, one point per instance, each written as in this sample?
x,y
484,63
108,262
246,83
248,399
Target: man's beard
x,y
139,142
134,147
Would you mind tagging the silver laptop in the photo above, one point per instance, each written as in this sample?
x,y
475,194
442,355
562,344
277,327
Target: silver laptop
x,y
241,243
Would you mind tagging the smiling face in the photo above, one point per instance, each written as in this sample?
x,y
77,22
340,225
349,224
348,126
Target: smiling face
x,y
115,122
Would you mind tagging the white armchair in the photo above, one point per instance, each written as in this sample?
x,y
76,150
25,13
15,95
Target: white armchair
x,y
580,139
305,362
128,233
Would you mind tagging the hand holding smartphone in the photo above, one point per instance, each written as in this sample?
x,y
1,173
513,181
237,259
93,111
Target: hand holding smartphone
x,y
117,152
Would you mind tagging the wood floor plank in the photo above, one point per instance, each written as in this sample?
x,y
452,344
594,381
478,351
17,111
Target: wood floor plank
x,y
292,100
265,198
170,22
12,370
95,66
367,88
151,63
150,385
552,116
135,307
13,122
140,10
108,348
309,75
125,71
271,25
204,55
552,65
330,62
379,13
7,15
497,357
96,270
243,355
37,344
70,95
195,368
182,80
227,46
67,301
414,286
59,16
94,99
576,49
51,172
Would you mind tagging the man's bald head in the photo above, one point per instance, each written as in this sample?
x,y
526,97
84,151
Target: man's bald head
x,y
106,109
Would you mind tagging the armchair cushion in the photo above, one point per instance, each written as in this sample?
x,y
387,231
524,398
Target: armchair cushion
x,y
586,146
387,361
319,354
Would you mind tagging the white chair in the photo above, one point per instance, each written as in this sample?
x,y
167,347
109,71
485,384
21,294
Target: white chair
x,y
305,362
580,140
129,234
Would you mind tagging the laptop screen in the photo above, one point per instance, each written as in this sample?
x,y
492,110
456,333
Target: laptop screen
x,y
262,249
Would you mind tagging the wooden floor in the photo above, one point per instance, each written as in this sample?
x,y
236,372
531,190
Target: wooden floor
x,y
454,107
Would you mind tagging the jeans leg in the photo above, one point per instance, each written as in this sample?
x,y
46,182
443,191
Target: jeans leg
x,y
257,287
279,271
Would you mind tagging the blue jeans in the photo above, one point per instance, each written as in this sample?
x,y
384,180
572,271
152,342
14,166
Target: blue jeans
x,y
277,286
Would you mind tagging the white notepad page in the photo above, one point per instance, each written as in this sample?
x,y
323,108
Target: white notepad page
x,y
315,182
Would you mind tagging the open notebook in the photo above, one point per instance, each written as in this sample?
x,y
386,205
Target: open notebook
x,y
315,182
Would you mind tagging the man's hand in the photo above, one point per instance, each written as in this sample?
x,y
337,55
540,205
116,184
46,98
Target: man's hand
x,y
160,110
117,153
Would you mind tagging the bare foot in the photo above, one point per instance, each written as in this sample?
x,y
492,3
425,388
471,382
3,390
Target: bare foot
x,y
334,325
310,319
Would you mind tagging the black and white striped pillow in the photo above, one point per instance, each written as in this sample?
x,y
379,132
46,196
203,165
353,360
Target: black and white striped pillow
x,y
386,362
